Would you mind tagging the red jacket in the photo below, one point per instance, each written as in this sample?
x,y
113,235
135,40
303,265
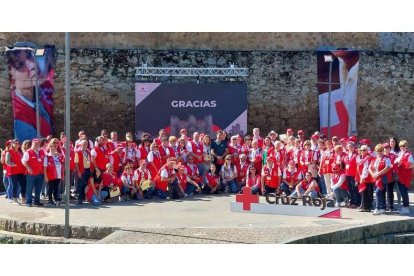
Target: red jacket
x,y
198,150
102,157
271,176
16,158
404,172
81,166
51,170
350,164
35,161
162,185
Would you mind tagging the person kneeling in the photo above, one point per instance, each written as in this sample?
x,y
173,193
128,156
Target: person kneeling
x,y
339,186
307,187
187,185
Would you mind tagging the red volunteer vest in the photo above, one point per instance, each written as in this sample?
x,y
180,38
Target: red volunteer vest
x,y
193,172
35,161
51,170
350,164
404,172
157,162
182,180
142,175
102,158
197,149
305,156
306,184
162,185
394,169
108,178
381,166
251,181
292,176
335,178
326,162
163,154
144,152
117,161
241,171
16,158
81,166
213,180
271,176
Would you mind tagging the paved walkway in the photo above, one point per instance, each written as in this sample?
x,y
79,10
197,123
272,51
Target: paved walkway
x,y
204,219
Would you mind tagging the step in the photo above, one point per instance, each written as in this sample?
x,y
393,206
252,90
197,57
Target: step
x,y
18,238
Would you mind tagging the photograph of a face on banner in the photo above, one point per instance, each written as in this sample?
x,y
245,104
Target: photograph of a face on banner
x,y
24,73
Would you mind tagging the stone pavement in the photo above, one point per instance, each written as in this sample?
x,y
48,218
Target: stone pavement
x,y
203,219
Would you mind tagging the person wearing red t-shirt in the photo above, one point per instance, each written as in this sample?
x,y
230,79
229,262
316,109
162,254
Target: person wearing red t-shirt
x,y
93,191
154,160
242,170
392,176
212,180
53,171
164,150
129,190
141,175
187,185
17,171
100,154
307,187
363,179
6,171
339,186
166,180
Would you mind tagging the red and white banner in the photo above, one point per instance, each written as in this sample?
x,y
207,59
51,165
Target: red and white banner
x,y
344,79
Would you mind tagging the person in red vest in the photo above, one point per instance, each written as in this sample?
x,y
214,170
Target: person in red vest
x,y
83,168
392,176
187,185
195,149
143,174
100,155
363,179
271,177
350,172
253,180
325,167
308,159
307,187
301,137
257,137
164,150
16,171
405,163
242,170
6,171
53,171
110,181
154,160
161,134
166,179
62,150
212,180
255,156
279,155
339,186
144,148
117,159
192,171
131,153
129,190
378,169
113,142
291,177
229,174
33,161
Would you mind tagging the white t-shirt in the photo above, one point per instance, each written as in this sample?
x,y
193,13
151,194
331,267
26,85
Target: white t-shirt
x,y
164,173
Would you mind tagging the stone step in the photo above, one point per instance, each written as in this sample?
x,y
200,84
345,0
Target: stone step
x,y
18,238
400,238
55,230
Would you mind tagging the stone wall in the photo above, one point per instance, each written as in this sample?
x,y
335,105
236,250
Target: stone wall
x,y
281,89
394,42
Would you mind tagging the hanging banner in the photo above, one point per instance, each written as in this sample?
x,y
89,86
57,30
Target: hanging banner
x,y
25,70
203,108
343,92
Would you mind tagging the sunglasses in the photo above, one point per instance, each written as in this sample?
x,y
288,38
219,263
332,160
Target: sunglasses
x,y
402,146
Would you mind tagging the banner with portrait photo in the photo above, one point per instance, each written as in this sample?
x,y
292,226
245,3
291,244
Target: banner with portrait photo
x,y
344,80
25,70
203,108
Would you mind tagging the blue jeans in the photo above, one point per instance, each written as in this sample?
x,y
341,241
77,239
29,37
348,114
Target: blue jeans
x,y
9,189
355,197
232,185
36,182
340,195
285,188
379,194
201,169
6,183
322,186
190,189
404,194
83,181
161,194
312,194
96,200
18,183
149,193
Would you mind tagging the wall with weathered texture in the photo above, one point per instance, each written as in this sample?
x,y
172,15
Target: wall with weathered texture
x,y
281,85
281,89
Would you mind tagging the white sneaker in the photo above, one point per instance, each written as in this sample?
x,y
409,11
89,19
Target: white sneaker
x,y
337,204
342,204
376,212
404,211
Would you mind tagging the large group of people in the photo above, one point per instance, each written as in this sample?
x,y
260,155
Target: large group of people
x,y
345,169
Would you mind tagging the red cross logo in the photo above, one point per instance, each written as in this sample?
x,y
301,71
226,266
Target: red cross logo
x,y
247,198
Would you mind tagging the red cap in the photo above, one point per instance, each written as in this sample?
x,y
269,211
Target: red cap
x,y
8,143
35,140
353,139
119,147
182,167
289,130
365,141
270,159
315,136
183,130
301,132
142,161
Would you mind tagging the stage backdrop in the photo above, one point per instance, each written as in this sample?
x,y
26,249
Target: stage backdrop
x,y
22,67
198,107
343,93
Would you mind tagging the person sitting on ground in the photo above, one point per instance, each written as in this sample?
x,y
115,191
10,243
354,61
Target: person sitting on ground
x,y
143,175
228,175
110,182
307,187
94,193
212,181
271,177
187,185
129,190
253,180
166,180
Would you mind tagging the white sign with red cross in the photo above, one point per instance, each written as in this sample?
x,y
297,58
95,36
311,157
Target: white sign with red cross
x,y
281,205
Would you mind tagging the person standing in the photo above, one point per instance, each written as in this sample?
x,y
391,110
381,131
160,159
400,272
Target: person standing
x,y
271,177
100,155
33,161
219,150
6,172
17,171
53,172
405,165
378,170
83,168
350,172
364,180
